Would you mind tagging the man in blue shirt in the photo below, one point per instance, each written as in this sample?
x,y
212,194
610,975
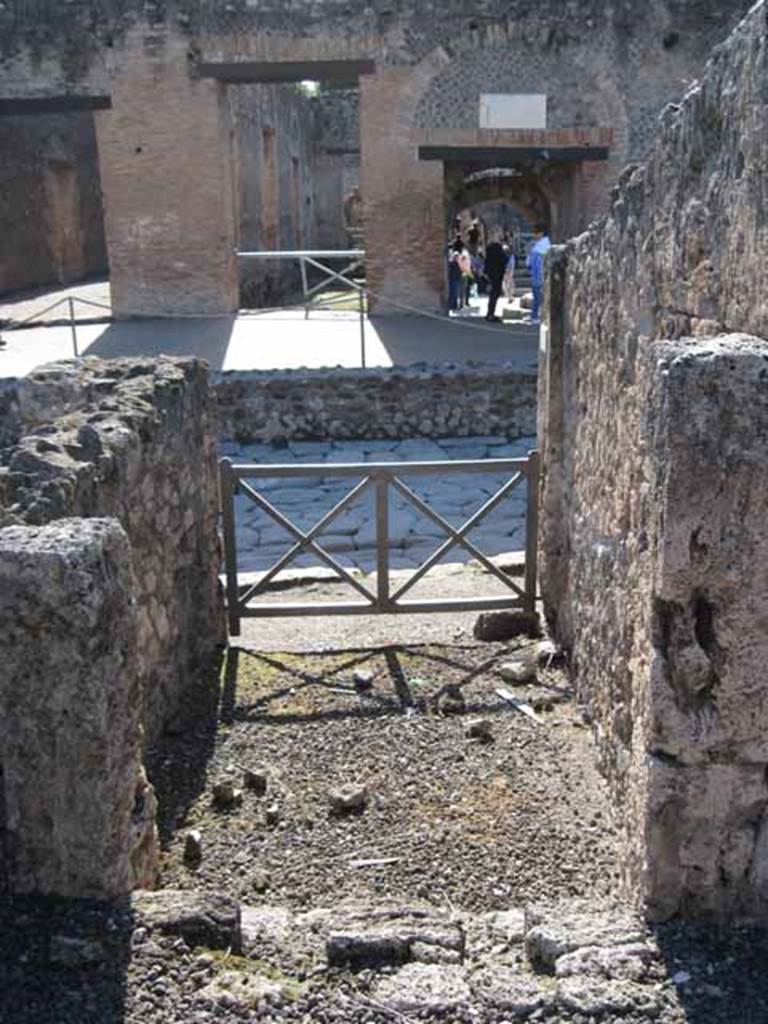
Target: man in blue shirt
x,y
535,264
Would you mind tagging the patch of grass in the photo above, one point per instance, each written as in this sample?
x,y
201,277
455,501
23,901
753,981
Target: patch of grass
x,y
224,961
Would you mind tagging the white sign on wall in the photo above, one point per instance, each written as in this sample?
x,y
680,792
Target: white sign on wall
x,y
513,110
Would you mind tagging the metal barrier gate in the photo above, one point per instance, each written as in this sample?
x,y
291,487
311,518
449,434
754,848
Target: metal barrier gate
x,y
381,477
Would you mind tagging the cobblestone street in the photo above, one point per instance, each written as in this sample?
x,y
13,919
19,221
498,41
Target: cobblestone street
x,y
351,536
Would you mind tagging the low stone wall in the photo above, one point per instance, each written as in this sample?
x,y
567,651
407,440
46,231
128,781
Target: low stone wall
x,y
109,560
131,439
338,404
655,458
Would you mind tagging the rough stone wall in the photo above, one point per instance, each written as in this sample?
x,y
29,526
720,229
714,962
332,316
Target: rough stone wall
x,y
337,167
78,816
275,156
348,404
655,478
131,440
51,219
10,415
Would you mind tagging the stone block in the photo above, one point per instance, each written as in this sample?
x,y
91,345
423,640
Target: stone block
x,y
201,919
79,815
491,626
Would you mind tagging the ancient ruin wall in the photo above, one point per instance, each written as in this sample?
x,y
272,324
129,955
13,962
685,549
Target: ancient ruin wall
x,y
275,158
51,219
131,440
340,404
656,477
77,816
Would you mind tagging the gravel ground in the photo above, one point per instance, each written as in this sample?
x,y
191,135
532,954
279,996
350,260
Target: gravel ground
x,y
478,824
332,632
471,827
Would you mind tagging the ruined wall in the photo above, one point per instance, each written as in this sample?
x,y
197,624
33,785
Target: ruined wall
x,y
51,218
275,160
346,404
77,816
655,482
337,167
131,440
111,609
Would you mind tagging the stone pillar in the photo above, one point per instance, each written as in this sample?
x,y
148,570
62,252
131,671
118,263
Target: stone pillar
x,y
165,156
77,816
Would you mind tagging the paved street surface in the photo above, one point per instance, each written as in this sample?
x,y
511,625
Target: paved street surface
x,y
351,537
260,340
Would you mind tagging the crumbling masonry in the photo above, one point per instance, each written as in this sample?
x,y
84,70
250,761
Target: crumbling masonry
x,y
654,432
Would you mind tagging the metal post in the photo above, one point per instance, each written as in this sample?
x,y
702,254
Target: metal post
x,y
227,492
72,324
361,300
382,539
531,529
305,286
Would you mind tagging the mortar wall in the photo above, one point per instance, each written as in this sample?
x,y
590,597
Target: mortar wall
x,y
360,404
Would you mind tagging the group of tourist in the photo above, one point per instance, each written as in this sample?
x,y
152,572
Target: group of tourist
x,y
493,271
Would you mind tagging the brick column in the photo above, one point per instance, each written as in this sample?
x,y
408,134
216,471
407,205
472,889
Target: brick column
x,y
165,154
404,204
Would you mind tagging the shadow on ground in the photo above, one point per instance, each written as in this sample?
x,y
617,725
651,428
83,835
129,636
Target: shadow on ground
x,y
414,339
177,762
64,960
718,969
206,338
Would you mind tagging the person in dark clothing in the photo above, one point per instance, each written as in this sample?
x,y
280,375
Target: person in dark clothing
x,y
495,266
473,237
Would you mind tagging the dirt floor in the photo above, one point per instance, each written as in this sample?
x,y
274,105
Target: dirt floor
x,y
469,822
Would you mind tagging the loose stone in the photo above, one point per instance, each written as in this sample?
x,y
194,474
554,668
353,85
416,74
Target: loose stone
x,y
363,681
348,799
225,796
479,729
256,780
518,671
193,846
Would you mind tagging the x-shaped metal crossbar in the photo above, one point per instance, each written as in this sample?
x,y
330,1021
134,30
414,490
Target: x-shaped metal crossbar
x,y
382,476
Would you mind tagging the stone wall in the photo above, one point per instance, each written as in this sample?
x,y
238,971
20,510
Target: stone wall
x,y
655,458
131,440
275,160
345,404
77,816
111,606
50,201
337,167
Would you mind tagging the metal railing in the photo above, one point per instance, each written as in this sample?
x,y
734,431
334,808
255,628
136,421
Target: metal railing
x,y
381,477
68,301
312,257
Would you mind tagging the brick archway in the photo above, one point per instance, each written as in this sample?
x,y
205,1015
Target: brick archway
x,y
520,190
